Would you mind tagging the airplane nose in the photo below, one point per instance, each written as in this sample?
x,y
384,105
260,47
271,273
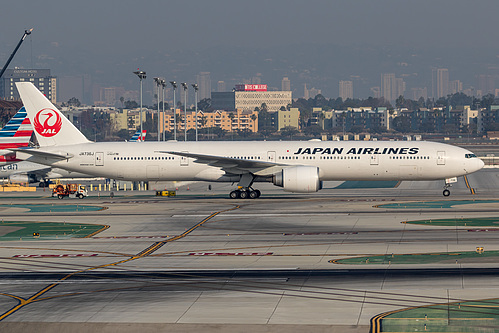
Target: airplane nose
x,y
480,163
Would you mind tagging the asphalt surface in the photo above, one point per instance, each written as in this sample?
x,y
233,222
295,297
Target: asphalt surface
x,y
203,261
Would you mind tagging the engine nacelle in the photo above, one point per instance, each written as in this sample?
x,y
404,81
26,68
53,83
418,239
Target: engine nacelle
x,y
302,179
19,178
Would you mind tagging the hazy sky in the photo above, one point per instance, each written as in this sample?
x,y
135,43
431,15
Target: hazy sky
x,y
121,25
107,33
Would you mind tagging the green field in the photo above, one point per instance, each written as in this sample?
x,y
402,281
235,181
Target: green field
x,y
53,208
434,204
473,316
11,231
422,258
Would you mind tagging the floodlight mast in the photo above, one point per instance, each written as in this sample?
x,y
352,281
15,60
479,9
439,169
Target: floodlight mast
x,y
185,86
157,80
163,85
26,34
142,75
174,85
196,88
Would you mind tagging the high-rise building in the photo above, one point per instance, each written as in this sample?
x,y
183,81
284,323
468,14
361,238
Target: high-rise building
x,y
311,93
442,82
346,90
417,93
486,84
455,86
285,84
376,91
398,88
204,84
391,87
41,78
387,82
221,87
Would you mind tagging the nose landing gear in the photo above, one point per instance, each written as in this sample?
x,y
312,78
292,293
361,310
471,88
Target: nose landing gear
x,y
448,184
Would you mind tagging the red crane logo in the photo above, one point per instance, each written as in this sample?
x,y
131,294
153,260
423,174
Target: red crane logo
x,y
51,125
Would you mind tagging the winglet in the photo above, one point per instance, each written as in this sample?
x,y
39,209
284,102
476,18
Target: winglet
x,y
51,127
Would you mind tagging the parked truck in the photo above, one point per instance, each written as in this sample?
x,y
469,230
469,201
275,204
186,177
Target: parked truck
x,y
70,190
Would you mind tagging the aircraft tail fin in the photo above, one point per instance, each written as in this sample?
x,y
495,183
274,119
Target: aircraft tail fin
x,y
137,137
17,132
51,127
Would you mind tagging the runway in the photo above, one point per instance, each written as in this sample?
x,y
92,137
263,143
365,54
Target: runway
x,y
201,260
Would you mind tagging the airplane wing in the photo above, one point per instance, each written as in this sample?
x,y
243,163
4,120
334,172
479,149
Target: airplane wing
x,y
232,165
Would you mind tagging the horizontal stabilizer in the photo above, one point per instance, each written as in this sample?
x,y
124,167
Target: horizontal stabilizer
x,y
40,154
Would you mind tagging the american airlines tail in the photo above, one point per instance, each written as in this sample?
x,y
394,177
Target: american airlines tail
x,y
137,137
51,127
15,134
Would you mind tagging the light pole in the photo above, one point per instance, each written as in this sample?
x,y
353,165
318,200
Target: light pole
x,y
158,84
174,85
163,85
185,86
196,88
141,75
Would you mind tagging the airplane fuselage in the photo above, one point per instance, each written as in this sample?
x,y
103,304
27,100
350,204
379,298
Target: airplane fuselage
x,y
336,160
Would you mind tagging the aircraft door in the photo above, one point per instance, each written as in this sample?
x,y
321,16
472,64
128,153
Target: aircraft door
x,y
440,157
271,156
374,159
99,159
184,161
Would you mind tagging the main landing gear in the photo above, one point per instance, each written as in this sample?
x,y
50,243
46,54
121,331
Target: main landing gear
x,y
245,193
244,189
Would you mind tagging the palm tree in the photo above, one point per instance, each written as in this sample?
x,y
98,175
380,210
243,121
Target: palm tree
x,y
254,118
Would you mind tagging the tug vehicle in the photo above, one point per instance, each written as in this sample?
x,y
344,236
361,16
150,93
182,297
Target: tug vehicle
x,y
70,190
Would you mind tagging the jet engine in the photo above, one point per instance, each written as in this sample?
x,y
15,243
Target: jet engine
x,y
302,179
19,178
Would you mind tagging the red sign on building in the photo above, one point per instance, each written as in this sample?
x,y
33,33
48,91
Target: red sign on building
x,y
251,87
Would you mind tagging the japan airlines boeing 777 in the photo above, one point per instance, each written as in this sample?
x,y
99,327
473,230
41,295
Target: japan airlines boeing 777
x,y
297,166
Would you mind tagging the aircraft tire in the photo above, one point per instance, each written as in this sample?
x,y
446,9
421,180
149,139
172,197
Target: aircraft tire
x,y
234,195
258,193
243,194
253,195
446,193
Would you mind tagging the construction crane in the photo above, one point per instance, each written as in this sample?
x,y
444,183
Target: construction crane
x,y
26,34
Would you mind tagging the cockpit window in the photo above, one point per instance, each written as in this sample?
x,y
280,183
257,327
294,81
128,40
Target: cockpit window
x,y
469,155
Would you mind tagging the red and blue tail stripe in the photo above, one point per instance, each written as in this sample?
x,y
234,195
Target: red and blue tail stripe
x,y
17,132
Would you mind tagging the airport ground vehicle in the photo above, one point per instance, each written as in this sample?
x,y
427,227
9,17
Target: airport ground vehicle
x,y
70,191
166,193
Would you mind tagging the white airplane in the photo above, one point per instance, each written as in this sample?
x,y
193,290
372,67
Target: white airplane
x,y
297,166
14,170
